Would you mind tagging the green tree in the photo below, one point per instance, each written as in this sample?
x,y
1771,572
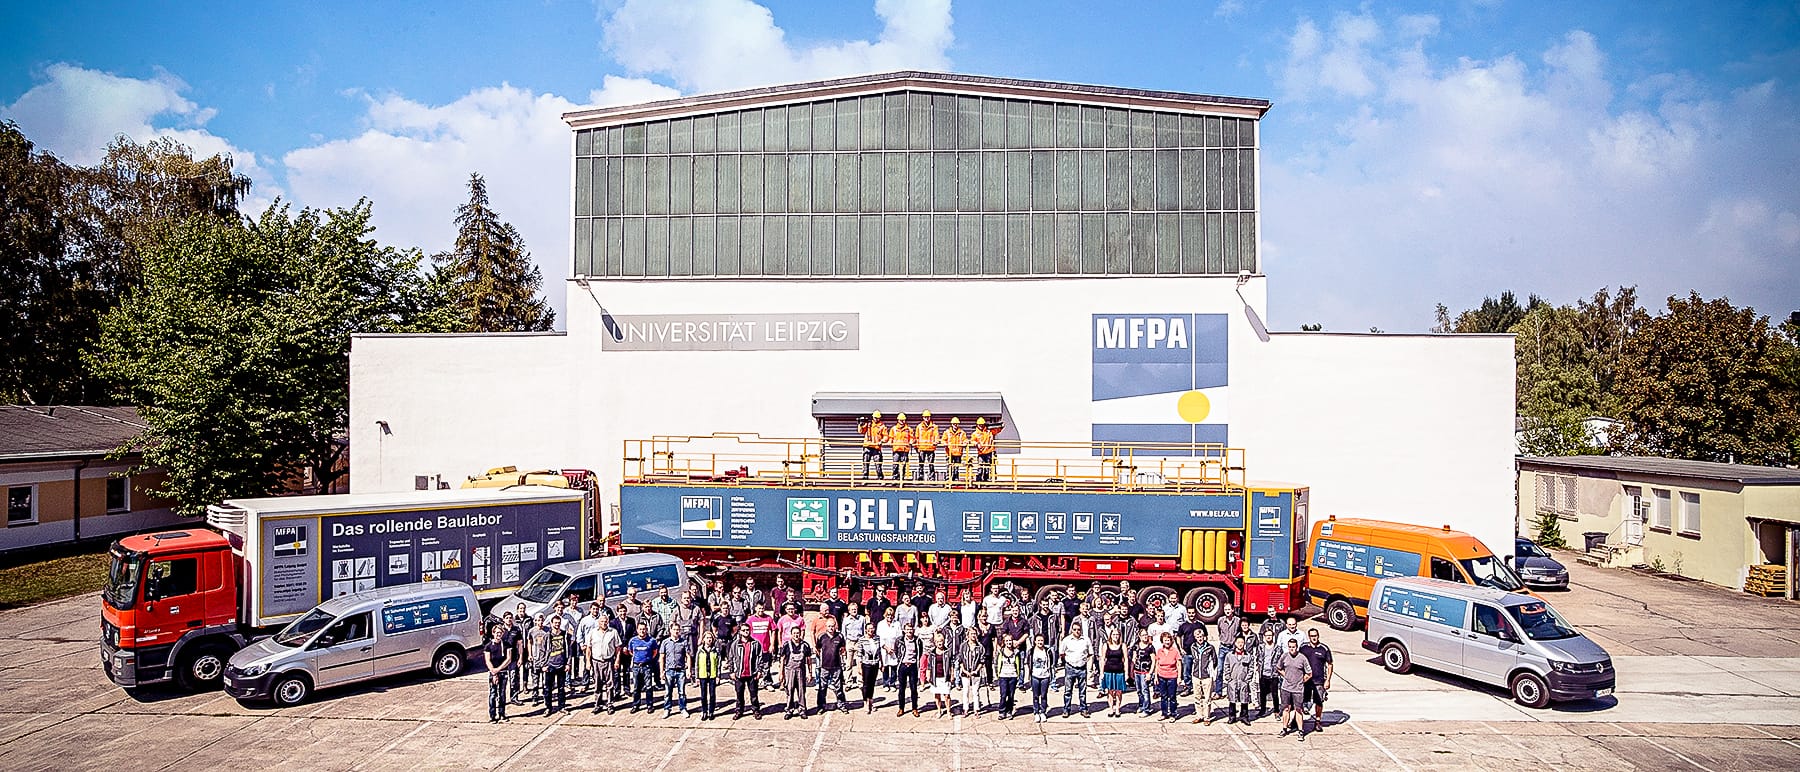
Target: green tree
x,y
1556,389
491,282
1605,322
236,344
1493,315
1707,380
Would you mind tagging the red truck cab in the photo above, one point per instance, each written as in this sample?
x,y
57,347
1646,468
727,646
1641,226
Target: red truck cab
x,y
169,610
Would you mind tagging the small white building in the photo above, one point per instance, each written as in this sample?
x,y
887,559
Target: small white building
x,y
1079,262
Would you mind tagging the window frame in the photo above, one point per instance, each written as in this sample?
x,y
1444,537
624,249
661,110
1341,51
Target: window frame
x,y
124,482
1685,517
1662,510
161,595
31,504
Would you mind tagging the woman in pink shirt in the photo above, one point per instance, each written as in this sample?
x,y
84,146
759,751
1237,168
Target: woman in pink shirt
x,y
1168,672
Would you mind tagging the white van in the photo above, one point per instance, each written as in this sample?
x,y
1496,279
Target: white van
x,y
1488,635
608,578
361,636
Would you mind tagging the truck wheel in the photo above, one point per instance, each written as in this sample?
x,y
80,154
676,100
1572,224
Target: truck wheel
x,y
1043,593
1168,594
202,668
1208,603
449,661
291,690
1340,614
1529,689
1395,658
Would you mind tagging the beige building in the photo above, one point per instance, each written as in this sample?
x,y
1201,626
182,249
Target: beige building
x,y
1698,519
59,482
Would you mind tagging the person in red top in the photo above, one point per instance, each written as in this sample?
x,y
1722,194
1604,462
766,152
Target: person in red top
x,y
900,437
759,626
874,436
925,439
1168,673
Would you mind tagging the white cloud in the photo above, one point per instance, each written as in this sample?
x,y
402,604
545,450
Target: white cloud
x,y
1446,180
715,45
75,112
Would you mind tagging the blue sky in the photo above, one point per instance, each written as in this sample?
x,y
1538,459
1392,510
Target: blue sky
x,y
1417,152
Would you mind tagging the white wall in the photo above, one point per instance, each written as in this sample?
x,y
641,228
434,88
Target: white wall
x,y
1415,428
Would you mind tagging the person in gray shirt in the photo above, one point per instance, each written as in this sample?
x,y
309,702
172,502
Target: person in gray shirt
x,y
1295,670
676,660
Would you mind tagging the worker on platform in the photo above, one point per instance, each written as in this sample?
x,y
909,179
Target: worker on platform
x,y
900,437
983,439
874,435
925,439
954,442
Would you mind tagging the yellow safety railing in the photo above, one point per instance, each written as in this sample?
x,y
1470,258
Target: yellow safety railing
x,y
731,458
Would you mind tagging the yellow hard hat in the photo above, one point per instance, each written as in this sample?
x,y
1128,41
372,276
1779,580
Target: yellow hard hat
x,y
981,422
954,421
876,414
902,416
926,414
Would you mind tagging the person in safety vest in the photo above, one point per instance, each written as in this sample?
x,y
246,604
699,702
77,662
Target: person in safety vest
x,y
901,438
874,435
954,441
925,438
983,438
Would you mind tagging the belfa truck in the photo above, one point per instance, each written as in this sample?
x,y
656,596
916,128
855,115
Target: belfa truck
x,y
178,604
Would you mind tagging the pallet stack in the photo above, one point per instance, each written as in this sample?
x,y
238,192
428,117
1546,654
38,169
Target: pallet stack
x,y
1767,580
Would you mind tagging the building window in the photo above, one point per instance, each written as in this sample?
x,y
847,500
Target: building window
x,y
1661,514
21,505
1689,521
118,494
1556,493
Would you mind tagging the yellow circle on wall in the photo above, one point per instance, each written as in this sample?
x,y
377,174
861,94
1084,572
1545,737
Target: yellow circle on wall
x,y
1194,407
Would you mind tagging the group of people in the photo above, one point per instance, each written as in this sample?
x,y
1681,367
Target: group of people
x,y
968,655
903,440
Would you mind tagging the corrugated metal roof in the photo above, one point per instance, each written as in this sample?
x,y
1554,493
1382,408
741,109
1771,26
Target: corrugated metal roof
x,y
1011,88
1670,467
29,432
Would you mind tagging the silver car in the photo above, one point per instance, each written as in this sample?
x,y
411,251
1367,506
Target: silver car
x,y
361,636
1537,568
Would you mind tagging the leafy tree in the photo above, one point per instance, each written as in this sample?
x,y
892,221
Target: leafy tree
x,y
1549,530
1493,315
236,343
1605,322
1557,391
490,279
1707,380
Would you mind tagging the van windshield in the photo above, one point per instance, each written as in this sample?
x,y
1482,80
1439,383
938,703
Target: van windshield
x,y
1490,572
301,630
1540,622
543,586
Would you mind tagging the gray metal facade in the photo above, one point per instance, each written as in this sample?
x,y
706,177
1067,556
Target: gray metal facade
x,y
917,183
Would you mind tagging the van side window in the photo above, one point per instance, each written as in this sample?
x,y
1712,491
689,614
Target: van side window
x,y
351,628
1488,620
1445,570
582,589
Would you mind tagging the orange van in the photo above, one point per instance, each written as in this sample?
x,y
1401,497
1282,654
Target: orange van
x,y
1349,554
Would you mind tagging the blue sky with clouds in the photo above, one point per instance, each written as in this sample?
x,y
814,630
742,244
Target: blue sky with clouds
x,y
1417,152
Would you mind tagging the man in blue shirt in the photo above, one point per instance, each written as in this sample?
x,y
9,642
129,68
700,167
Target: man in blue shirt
x,y
643,664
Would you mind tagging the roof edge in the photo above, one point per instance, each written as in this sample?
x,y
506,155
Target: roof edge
x,y
898,79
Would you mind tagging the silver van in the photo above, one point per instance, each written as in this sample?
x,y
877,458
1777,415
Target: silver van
x,y
1488,635
361,636
607,578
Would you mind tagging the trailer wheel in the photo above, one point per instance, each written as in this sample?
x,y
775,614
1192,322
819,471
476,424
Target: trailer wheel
x,y
1395,658
449,661
1340,614
1043,593
291,690
1167,594
1208,603
202,668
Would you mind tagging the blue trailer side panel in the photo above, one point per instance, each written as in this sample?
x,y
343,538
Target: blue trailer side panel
x,y
1105,524
1271,541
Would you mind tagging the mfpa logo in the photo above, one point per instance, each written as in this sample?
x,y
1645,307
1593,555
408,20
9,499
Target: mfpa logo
x,y
1140,332
1161,378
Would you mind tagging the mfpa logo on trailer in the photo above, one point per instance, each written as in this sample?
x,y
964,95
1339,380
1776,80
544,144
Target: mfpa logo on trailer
x,y
1161,378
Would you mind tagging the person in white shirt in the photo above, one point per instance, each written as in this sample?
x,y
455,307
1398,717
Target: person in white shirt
x,y
1075,651
888,632
968,607
994,606
940,611
1156,633
1174,614
601,642
582,627
1290,632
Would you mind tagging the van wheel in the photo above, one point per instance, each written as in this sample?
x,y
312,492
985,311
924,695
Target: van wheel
x,y
1340,615
291,690
203,668
1395,658
1529,689
449,661
1208,603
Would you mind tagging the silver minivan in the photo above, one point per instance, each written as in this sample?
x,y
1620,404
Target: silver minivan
x,y
608,578
1496,637
360,636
